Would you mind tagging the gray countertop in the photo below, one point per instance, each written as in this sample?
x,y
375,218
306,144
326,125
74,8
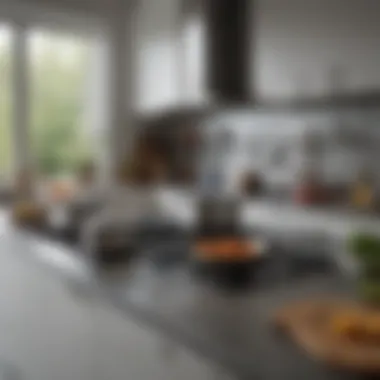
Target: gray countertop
x,y
232,329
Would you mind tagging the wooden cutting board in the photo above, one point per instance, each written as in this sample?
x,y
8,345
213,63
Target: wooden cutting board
x,y
309,324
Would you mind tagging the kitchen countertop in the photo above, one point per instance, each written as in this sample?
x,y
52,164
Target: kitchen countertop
x,y
277,214
232,330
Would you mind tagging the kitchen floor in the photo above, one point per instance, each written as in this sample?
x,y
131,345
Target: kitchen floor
x,y
51,331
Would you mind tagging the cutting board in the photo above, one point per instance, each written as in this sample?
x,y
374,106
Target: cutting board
x,y
309,324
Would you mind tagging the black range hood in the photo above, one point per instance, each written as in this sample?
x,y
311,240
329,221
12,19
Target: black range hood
x,y
227,43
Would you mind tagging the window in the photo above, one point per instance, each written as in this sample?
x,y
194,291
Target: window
x,y
61,139
6,150
171,66
194,60
52,103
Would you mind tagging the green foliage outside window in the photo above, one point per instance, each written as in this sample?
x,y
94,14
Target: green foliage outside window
x,y
5,113
57,83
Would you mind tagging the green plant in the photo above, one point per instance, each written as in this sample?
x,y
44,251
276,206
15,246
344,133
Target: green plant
x,y
365,247
369,289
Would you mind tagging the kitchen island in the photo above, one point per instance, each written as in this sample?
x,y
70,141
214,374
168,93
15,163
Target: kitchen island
x,y
232,332
233,329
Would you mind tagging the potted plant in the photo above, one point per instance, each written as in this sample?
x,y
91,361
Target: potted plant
x,y
366,250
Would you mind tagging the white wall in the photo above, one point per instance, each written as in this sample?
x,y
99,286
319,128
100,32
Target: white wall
x,y
301,42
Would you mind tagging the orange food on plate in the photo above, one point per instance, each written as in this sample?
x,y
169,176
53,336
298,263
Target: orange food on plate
x,y
229,249
363,327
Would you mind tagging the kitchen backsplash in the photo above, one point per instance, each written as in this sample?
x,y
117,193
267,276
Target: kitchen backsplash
x,y
273,144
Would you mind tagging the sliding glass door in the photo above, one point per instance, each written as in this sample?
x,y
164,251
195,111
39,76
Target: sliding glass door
x,y
6,148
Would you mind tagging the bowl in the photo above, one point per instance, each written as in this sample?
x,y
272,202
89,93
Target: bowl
x,y
229,269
